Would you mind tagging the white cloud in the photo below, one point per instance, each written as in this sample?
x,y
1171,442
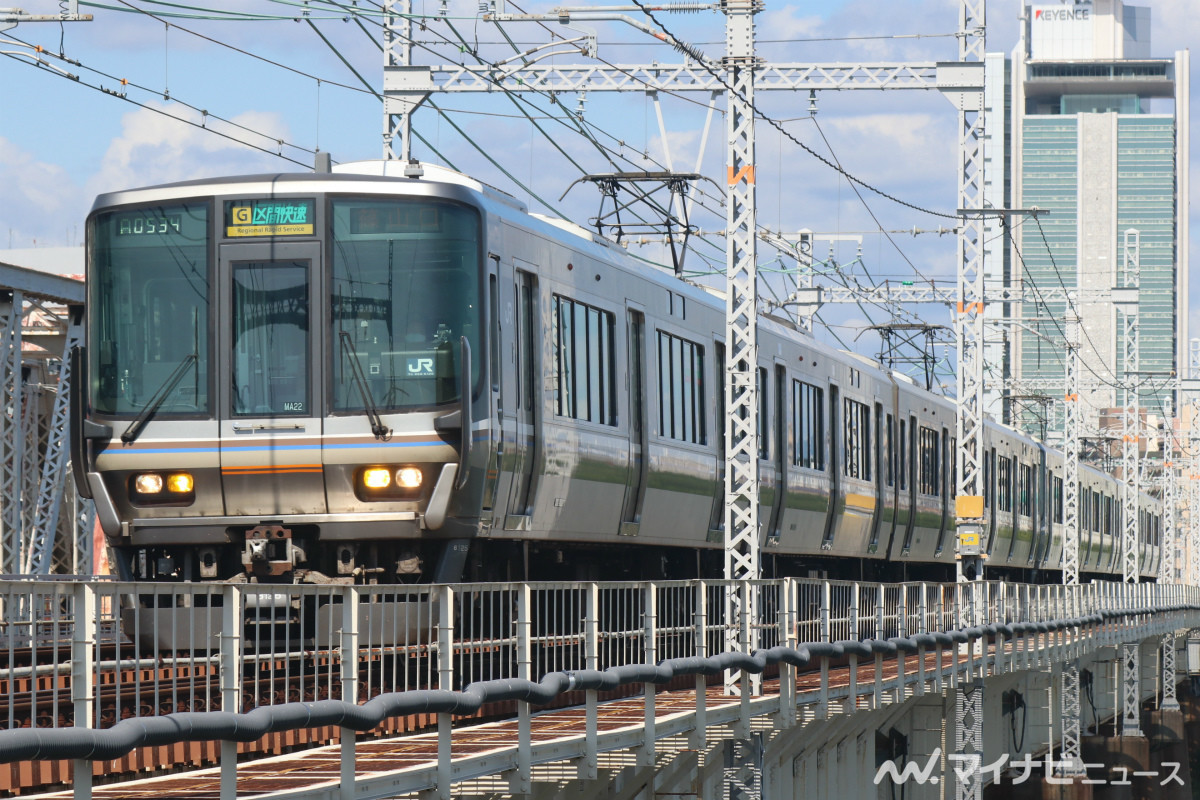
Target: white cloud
x,y
40,203
158,147
895,150
787,23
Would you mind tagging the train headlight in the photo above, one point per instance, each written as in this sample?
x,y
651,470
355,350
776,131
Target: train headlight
x,y
377,478
148,483
180,483
408,477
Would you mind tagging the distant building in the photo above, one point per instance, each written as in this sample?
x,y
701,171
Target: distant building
x,y
1096,133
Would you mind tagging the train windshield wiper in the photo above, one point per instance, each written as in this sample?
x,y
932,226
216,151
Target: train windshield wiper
x,y
381,431
135,428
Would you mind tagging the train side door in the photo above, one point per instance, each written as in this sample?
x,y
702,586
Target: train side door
x,y
502,424
523,456
270,378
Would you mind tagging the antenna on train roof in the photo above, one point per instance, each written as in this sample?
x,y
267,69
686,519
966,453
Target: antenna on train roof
x,y
413,169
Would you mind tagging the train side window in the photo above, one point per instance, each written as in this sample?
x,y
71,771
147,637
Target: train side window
x,y
987,479
719,352
525,352
1025,490
1057,483
931,467
952,464
856,439
1004,484
681,392
890,462
1082,511
904,451
764,435
494,349
585,385
808,424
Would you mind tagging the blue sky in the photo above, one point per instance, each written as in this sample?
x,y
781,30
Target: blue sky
x,y
62,142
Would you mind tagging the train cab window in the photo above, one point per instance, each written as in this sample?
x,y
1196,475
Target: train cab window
x,y
681,393
404,289
931,463
584,361
856,440
1004,484
808,425
149,292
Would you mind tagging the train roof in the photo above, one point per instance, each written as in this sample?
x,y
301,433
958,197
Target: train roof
x,y
369,175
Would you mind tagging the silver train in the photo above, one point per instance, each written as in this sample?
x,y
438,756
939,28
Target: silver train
x,y
362,377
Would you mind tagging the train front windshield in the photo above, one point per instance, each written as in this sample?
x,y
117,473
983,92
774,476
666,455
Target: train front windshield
x,y
149,287
405,289
399,287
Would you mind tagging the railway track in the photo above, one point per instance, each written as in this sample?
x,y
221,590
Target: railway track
x,y
35,692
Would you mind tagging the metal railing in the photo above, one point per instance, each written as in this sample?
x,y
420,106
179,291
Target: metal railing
x,y
89,654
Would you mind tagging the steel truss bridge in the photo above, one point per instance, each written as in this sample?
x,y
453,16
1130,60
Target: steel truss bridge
x,y
119,676
43,527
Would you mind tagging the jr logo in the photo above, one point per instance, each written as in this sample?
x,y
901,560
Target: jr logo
x,y
420,366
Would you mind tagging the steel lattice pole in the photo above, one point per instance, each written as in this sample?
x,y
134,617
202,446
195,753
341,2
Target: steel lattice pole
x,y
1168,570
741,386
398,106
968,737
1070,705
1127,301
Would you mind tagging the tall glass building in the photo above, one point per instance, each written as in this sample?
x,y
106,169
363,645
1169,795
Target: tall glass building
x,y
1098,135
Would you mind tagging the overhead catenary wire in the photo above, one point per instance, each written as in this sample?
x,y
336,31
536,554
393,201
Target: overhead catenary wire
x,y
1102,380
352,10
586,128
39,63
703,61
